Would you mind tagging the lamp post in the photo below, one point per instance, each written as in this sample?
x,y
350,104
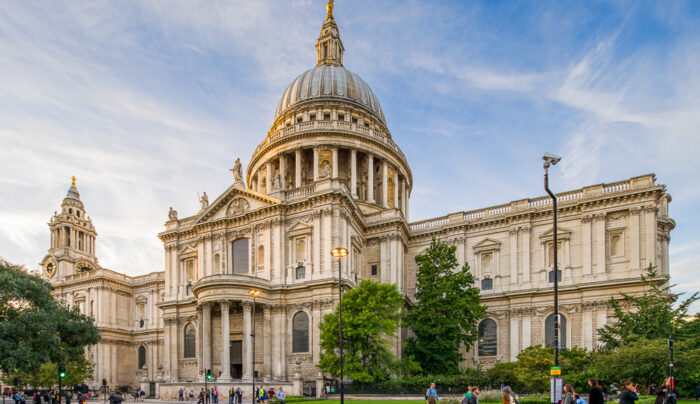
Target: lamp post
x,y
254,293
550,159
339,253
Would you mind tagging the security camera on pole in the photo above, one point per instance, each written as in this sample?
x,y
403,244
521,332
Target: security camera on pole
x,y
556,382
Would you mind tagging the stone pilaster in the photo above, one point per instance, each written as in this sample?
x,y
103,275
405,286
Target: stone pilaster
x,y
225,343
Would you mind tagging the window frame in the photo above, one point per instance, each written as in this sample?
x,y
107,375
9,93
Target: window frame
x,y
299,342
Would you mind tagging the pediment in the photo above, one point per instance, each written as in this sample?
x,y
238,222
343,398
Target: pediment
x,y
235,201
561,234
188,250
487,244
300,228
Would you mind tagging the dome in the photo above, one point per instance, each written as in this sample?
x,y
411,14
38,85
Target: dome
x,y
333,83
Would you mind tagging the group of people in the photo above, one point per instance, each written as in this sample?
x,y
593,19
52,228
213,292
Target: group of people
x,y
269,395
235,396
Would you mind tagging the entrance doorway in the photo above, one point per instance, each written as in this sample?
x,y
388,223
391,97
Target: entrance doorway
x,y
237,359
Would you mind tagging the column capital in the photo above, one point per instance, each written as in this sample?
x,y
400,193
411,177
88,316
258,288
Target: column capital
x,y
224,303
247,304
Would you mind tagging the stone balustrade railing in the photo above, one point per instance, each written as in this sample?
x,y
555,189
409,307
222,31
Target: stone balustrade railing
x,y
525,205
340,126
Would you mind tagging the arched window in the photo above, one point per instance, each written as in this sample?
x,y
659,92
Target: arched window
x,y
300,335
142,356
487,284
301,249
189,341
488,341
240,256
300,272
549,331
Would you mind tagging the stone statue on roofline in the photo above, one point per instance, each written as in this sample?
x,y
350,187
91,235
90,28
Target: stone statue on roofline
x,y
237,171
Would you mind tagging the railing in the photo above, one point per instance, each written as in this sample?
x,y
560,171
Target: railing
x,y
536,203
300,192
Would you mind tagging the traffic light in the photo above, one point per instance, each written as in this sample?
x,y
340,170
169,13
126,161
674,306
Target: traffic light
x,y
61,371
208,374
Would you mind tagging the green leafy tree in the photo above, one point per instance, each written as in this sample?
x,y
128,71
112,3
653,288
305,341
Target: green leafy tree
x,y
652,315
645,361
447,313
371,316
77,372
34,327
532,368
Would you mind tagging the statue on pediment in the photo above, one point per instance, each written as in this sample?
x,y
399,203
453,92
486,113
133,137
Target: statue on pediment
x,y
204,201
237,171
172,214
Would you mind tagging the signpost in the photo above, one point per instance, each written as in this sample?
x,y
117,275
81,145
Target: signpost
x,y
555,388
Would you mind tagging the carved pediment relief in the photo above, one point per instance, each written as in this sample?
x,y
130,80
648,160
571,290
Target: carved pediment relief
x,y
188,250
300,228
235,201
237,206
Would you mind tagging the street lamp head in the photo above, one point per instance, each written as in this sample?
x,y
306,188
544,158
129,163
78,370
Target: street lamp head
x,y
254,292
339,252
550,159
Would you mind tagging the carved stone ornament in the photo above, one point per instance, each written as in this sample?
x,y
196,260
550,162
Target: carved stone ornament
x,y
237,206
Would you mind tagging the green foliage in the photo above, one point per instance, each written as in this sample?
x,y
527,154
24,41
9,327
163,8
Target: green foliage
x,y
371,317
447,313
646,361
77,372
532,368
654,315
34,327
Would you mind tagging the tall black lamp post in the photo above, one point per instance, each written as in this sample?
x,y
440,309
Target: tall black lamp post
x,y
550,159
255,293
340,253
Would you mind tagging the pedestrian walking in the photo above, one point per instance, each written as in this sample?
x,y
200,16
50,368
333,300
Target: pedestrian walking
x,y
579,399
628,394
697,392
596,393
474,398
215,395
281,397
568,394
508,397
116,398
663,391
431,395
468,394
181,394
202,396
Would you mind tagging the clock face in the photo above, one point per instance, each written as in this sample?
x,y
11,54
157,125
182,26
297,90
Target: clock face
x,y
83,267
50,269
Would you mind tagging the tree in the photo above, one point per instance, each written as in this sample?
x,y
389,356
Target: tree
x,y
76,373
532,368
447,313
34,327
646,361
651,315
371,317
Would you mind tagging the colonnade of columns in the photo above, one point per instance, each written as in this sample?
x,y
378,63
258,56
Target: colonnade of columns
x,y
274,345
367,177
66,236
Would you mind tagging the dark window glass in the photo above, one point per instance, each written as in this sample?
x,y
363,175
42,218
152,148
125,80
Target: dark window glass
x,y
240,256
549,331
487,284
551,276
300,337
189,341
488,338
142,323
301,272
341,117
326,117
142,357
374,270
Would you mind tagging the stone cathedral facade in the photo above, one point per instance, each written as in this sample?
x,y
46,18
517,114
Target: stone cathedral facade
x,y
329,174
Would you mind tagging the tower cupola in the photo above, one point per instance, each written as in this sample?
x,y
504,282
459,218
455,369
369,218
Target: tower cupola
x,y
329,46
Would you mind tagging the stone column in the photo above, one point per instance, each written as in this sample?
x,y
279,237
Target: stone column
x,y
315,163
587,241
513,256
297,168
198,340
385,188
267,350
396,189
634,238
283,172
206,336
402,206
650,236
225,344
247,341
335,163
353,173
370,177
526,257
283,346
601,253
270,175
514,334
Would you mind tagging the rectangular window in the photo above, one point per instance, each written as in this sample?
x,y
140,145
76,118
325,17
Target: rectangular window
x,y
312,117
240,256
374,270
326,117
354,119
341,117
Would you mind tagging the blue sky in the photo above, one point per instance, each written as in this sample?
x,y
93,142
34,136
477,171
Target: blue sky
x,y
150,102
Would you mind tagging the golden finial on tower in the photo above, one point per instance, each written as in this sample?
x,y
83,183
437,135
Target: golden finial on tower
x,y
72,184
329,7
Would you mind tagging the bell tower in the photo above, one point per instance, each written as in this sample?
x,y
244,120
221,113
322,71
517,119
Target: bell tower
x,y
329,46
72,248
